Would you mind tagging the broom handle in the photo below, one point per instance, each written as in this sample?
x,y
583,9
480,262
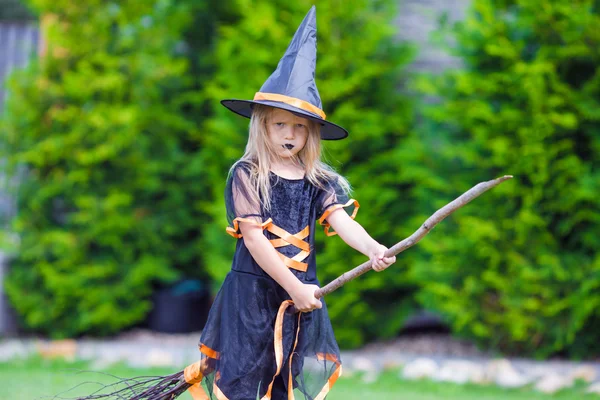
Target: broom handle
x,y
427,226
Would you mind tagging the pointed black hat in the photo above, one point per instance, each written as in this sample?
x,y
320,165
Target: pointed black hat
x,y
292,86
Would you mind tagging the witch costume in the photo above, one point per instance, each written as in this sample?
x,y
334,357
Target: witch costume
x,y
253,346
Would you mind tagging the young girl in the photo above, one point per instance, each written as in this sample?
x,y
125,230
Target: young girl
x,y
253,346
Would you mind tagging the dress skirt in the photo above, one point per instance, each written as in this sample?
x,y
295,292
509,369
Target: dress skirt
x,y
252,337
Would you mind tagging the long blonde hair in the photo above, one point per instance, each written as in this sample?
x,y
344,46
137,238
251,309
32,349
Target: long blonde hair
x,y
260,153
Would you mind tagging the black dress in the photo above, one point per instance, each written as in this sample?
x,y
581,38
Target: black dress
x,y
251,338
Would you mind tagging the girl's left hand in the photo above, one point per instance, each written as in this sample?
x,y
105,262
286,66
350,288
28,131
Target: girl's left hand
x,y
378,261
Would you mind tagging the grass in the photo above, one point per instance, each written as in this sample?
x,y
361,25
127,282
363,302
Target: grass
x,y
38,378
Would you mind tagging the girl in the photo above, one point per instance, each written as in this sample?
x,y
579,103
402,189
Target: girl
x,y
252,346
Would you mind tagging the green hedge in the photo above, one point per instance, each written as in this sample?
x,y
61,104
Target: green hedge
x,y
518,269
126,151
14,10
359,72
109,202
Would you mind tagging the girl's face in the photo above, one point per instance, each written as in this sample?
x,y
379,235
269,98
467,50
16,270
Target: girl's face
x,y
287,132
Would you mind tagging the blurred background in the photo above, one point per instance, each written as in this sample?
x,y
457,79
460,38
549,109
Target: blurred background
x,y
114,152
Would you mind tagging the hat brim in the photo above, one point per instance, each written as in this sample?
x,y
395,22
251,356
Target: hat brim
x,y
329,130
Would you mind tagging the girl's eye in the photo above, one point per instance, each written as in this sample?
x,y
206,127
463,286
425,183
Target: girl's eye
x,y
279,124
300,126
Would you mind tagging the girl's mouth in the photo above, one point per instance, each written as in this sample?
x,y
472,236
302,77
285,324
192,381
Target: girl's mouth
x,y
288,146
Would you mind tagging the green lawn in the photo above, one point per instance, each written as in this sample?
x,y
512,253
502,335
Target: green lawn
x,y
36,378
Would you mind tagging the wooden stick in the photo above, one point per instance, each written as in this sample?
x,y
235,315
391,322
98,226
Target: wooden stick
x,y
165,389
410,241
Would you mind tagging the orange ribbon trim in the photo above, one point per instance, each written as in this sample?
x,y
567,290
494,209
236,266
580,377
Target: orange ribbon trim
x,y
195,372
333,378
323,222
290,384
293,262
278,345
220,395
207,351
234,231
296,240
193,375
285,239
197,392
292,101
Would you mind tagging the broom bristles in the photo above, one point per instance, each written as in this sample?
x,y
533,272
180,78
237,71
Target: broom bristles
x,y
141,388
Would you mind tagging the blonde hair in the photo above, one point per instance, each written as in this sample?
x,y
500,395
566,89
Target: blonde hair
x,y
260,154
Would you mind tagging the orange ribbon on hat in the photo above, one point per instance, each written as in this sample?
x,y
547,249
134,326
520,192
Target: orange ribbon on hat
x,y
292,101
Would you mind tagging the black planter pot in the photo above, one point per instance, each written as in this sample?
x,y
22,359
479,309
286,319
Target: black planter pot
x,y
178,310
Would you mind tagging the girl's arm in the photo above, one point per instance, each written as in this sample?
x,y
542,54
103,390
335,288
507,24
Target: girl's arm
x,y
357,237
267,258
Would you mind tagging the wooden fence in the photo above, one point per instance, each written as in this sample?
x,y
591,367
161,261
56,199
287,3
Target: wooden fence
x,y
19,41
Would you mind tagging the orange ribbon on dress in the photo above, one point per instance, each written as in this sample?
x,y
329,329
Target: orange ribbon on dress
x,y
297,240
234,231
193,375
278,345
292,101
285,239
333,378
331,209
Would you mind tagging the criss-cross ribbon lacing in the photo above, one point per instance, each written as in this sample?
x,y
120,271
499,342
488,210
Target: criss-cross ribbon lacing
x,y
284,239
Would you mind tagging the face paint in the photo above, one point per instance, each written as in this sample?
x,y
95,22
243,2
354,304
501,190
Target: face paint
x,y
287,132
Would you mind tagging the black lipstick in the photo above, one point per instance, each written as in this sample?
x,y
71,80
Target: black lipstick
x,y
288,146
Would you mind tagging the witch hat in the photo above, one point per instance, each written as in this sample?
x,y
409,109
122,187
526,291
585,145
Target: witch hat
x,y
292,86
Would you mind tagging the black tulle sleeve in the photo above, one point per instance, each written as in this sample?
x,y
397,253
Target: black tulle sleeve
x,y
332,198
239,202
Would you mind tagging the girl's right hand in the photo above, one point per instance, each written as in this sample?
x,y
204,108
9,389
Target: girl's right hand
x,y
304,298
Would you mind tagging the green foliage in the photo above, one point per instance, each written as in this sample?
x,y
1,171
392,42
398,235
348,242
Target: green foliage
x,y
519,268
358,74
118,179
108,201
14,10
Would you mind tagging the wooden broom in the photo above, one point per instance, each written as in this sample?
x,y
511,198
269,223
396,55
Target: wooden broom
x,y
171,386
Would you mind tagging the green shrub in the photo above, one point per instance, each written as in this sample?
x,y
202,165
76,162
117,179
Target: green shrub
x,y
358,74
519,269
14,10
109,202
